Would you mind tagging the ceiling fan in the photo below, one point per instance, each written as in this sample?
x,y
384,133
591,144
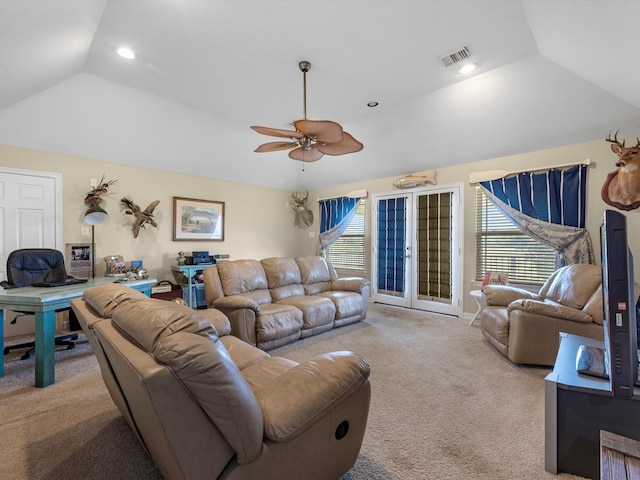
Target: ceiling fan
x,y
312,139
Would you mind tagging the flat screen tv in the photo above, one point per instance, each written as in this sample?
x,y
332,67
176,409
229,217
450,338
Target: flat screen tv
x,y
618,300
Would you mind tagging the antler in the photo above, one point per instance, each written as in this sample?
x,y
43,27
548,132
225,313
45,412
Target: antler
x,y
615,139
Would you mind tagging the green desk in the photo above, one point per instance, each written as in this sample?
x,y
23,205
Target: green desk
x,y
44,302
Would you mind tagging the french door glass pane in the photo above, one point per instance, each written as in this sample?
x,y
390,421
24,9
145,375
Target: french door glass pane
x,y
391,245
434,237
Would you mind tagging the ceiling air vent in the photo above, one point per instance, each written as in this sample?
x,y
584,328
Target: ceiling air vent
x,y
455,57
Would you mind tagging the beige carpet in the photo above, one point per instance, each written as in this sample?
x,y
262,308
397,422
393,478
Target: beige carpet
x,y
445,405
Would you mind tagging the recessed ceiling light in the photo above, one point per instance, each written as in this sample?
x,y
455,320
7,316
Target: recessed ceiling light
x,y
372,104
125,52
468,68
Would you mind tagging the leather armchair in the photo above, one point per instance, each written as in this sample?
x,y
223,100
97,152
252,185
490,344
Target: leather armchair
x,y
525,326
207,405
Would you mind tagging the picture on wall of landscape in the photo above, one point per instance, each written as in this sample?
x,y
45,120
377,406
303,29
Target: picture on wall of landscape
x,y
197,219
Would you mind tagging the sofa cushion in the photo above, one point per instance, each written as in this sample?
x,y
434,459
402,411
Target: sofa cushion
x,y
243,354
276,322
105,298
315,274
348,304
244,276
594,306
207,371
187,342
316,310
262,375
148,321
549,308
505,294
574,284
283,277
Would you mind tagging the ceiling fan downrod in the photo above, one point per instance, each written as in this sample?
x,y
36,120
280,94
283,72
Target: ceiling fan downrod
x,y
304,68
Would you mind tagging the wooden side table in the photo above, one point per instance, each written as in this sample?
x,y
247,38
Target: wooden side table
x,y
477,294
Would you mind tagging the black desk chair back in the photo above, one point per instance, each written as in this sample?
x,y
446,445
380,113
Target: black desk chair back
x,y
34,265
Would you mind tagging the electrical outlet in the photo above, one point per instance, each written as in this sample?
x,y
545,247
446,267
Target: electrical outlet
x,y
93,183
312,234
84,231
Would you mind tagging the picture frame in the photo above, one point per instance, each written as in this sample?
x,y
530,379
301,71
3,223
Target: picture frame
x,y
78,259
195,219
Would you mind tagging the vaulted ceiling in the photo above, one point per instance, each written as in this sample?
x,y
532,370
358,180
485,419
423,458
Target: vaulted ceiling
x,y
550,74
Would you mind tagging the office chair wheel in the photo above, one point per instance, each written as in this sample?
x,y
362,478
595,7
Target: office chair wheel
x,y
26,356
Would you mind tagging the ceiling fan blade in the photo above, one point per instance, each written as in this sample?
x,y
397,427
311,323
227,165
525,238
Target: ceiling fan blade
x,y
277,132
347,145
275,146
323,130
306,154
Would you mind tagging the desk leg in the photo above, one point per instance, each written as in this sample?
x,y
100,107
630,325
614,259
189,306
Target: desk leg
x,y
45,347
2,341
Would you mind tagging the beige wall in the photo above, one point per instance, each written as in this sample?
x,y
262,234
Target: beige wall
x,y
257,223
598,151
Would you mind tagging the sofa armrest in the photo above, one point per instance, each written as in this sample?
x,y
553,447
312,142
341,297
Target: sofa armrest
x,y
300,396
349,284
503,295
551,309
234,302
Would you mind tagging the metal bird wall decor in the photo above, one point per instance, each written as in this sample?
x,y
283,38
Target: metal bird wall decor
x,y
141,217
93,197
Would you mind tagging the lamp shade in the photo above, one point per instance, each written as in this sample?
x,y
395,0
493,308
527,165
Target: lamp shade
x,y
95,214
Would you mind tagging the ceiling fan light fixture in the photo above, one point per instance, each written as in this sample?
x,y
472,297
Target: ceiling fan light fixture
x,y
312,139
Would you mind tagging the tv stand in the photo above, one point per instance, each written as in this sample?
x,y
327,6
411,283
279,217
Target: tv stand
x,y
577,407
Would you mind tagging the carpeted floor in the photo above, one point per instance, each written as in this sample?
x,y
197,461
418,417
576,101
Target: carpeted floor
x,y
445,405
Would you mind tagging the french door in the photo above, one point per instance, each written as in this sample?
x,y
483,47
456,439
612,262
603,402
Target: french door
x,y
417,250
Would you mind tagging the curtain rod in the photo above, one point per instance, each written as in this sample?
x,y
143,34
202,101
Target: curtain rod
x,y
488,175
355,194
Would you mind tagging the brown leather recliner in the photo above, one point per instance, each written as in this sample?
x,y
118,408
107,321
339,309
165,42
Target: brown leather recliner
x,y
207,405
525,326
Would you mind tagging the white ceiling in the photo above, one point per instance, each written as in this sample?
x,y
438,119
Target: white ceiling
x,y
551,74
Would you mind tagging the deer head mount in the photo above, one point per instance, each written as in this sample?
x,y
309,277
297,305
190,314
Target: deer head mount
x,y
303,216
622,187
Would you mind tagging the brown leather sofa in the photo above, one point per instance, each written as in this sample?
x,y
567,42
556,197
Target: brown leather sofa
x,y
207,405
525,326
278,300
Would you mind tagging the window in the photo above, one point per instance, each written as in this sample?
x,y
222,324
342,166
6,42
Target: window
x,y
348,251
502,247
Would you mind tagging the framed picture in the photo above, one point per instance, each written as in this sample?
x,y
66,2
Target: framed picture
x,y
78,258
197,219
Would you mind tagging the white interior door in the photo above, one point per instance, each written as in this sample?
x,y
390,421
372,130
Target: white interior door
x,y
417,254
30,217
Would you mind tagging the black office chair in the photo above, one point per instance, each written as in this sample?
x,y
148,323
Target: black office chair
x,y
33,265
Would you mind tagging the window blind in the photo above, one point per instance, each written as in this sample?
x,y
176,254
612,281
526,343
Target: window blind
x,y
347,252
502,247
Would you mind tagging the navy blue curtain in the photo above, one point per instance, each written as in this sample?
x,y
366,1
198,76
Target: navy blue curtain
x,y
554,196
335,215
